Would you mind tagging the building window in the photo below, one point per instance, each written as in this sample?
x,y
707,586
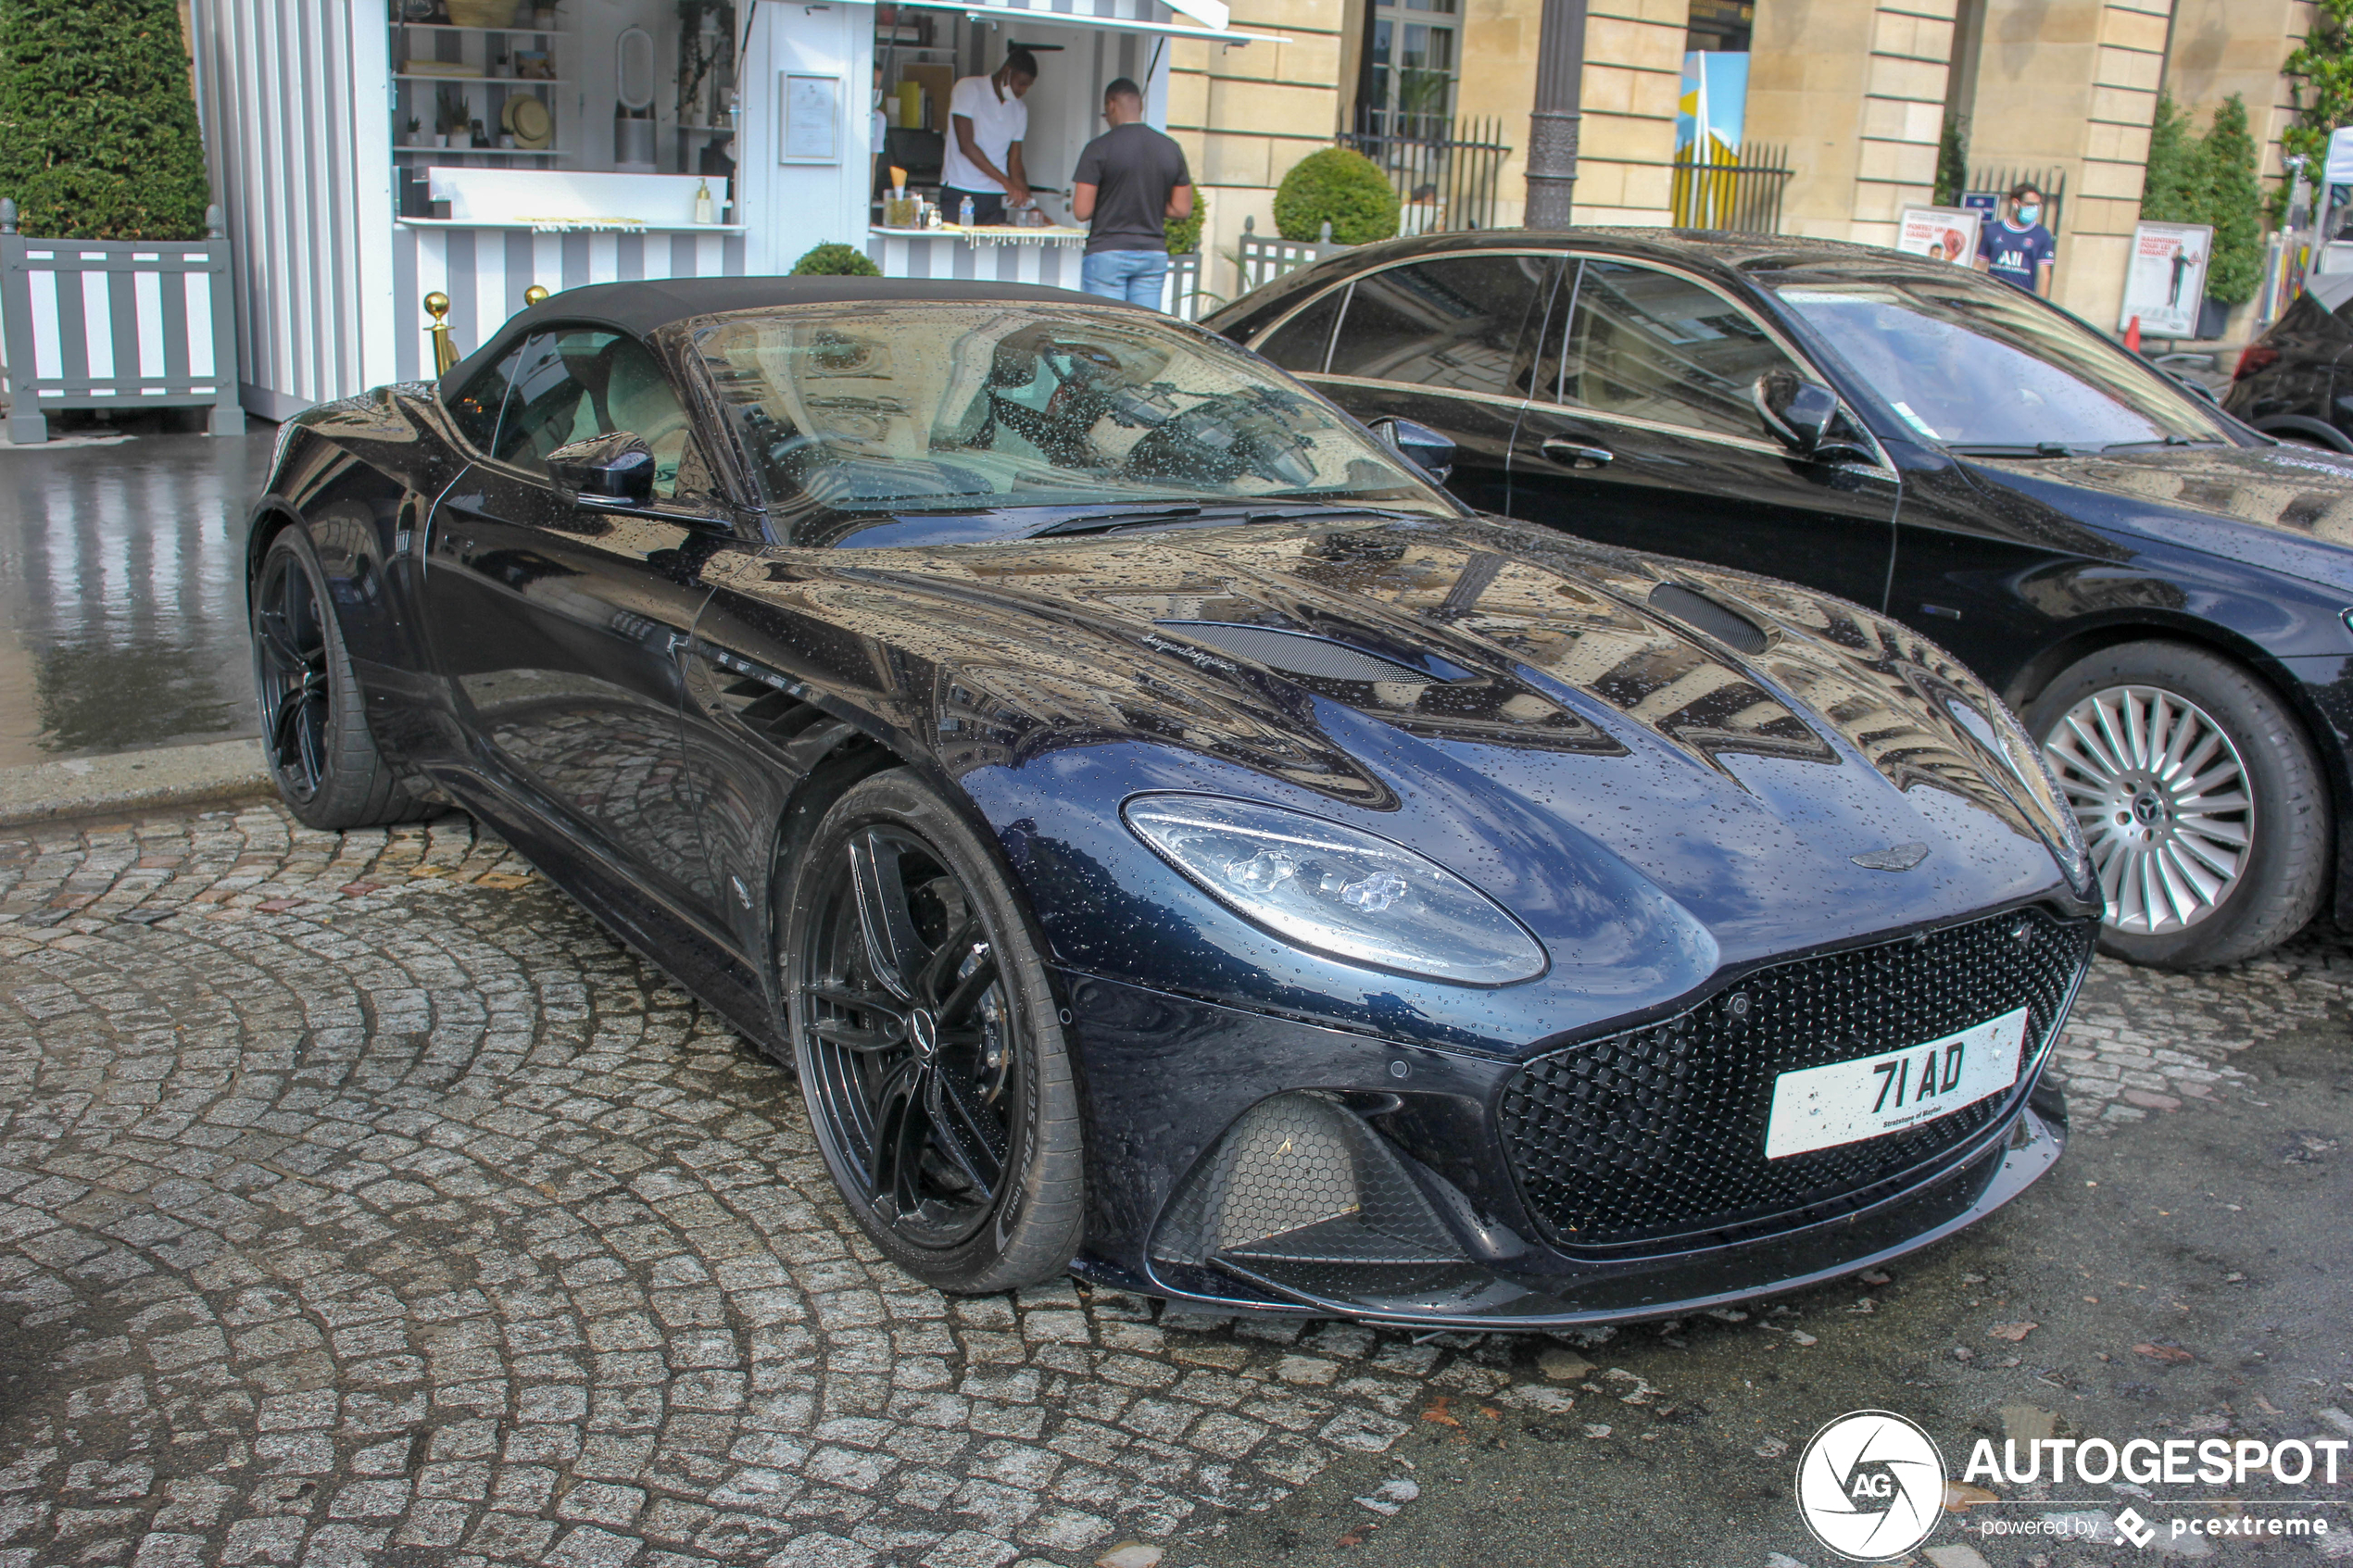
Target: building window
x,y
1409,69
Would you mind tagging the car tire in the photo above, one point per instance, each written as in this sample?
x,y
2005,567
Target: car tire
x,y
314,722
2200,799
928,1042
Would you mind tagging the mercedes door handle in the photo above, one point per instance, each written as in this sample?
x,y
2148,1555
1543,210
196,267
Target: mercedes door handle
x,y
1575,455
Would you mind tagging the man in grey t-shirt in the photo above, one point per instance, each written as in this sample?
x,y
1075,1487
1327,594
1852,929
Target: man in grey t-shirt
x,y
1130,181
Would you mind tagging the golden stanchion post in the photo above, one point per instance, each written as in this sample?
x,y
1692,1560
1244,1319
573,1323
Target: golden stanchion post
x,y
445,352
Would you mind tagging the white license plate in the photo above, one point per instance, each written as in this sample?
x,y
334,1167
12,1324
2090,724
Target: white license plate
x,y
1872,1096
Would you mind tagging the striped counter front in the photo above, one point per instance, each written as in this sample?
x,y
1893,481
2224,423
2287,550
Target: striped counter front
x,y
1001,254
486,268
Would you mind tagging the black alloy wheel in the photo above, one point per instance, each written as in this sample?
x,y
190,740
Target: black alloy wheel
x,y
929,1044
290,667
314,729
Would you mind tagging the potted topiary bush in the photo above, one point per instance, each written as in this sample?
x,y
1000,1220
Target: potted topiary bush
x,y
1338,186
835,259
99,147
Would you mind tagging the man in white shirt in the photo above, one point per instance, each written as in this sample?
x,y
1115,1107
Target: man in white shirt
x,y
988,121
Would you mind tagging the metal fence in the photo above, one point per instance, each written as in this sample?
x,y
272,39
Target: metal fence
x,y
1737,189
1446,171
1996,180
115,324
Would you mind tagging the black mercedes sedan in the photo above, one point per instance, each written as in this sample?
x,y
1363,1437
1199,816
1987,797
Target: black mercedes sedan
x,y
2162,593
1167,836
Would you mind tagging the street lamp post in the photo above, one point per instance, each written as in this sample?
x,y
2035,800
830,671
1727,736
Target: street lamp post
x,y
1552,131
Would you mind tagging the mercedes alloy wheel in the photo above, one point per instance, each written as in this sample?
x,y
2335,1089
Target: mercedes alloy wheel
x,y
2200,798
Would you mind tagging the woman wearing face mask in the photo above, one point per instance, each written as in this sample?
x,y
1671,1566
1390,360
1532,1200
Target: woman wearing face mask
x,y
2017,249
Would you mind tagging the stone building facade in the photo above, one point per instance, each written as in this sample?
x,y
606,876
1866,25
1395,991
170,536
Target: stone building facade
x,y
1854,92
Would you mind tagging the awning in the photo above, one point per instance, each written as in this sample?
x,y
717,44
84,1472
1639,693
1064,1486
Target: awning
x,y
1214,12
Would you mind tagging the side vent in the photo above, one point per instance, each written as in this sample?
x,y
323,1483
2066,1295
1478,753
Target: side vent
x,y
1703,614
778,716
1297,653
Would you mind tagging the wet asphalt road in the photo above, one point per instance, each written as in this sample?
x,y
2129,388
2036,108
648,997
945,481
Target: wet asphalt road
x,y
121,593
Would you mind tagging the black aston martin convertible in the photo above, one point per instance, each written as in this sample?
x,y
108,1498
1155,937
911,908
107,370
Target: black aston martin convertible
x,y
1169,838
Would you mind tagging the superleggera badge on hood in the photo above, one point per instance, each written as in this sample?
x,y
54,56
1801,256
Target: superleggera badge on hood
x,y
1895,857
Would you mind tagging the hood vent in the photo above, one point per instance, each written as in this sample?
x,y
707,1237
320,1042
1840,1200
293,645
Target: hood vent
x,y
1703,614
1297,653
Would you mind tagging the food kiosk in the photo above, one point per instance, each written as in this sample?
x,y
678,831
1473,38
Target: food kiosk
x,y
373,152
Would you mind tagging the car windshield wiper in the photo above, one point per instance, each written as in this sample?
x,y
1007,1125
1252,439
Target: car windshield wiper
x,y
2040,449
1103,522
2167,441
1296,511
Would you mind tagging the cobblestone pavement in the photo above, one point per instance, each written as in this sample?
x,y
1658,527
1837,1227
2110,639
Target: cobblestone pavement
x,y
360,1200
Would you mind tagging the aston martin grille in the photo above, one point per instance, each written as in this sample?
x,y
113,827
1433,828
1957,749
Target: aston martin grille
x,y
1639,1140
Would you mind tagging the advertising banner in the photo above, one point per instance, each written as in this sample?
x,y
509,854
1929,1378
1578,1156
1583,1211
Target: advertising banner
x,y
1946,233
2166,278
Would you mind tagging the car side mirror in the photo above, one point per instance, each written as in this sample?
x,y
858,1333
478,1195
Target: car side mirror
x,y
618,469
1418,444
1803,416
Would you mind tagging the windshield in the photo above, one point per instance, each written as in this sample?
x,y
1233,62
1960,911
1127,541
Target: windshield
x,y
1976,364
855,421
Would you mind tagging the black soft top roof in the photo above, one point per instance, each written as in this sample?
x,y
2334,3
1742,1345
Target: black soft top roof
x,y
640,308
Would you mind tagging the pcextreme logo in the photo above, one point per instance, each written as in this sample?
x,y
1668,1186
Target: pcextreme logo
x,y
1870,1486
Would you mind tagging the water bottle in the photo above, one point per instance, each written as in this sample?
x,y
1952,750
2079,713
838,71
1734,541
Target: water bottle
x,y
964,213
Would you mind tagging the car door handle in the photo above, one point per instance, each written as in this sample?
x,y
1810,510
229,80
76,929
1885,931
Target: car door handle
x,y
1575,455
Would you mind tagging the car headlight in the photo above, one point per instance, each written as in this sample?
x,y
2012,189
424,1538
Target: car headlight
x,y
2006,738
1337,890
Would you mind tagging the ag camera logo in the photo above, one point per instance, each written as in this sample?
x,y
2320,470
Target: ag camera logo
x,y
1870,1485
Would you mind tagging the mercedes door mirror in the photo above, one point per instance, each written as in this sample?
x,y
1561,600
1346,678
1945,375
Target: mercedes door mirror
x,y
1418,444
1804,417
615,470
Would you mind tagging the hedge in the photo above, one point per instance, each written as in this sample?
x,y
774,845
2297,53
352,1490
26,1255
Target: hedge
x,y
835,260
98,137
1345,188
1184,234
2209,179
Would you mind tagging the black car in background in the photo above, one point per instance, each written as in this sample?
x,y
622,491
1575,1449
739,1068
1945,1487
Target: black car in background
x,y
1168,836
2160,592
2288,382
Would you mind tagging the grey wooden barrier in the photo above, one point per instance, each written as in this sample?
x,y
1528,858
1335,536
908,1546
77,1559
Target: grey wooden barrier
x,y
1263,261
117,324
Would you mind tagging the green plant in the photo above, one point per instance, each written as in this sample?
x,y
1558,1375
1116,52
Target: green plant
x,y
2209,179
835,259
1343,188
1184,234
98,137
2234,204
1952,160
2321,71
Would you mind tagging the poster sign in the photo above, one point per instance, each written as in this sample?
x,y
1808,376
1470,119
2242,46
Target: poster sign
x,y
1942,233
812,119
2167,279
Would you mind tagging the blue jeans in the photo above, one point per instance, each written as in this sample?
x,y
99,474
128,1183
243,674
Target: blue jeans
x,y
1135,276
